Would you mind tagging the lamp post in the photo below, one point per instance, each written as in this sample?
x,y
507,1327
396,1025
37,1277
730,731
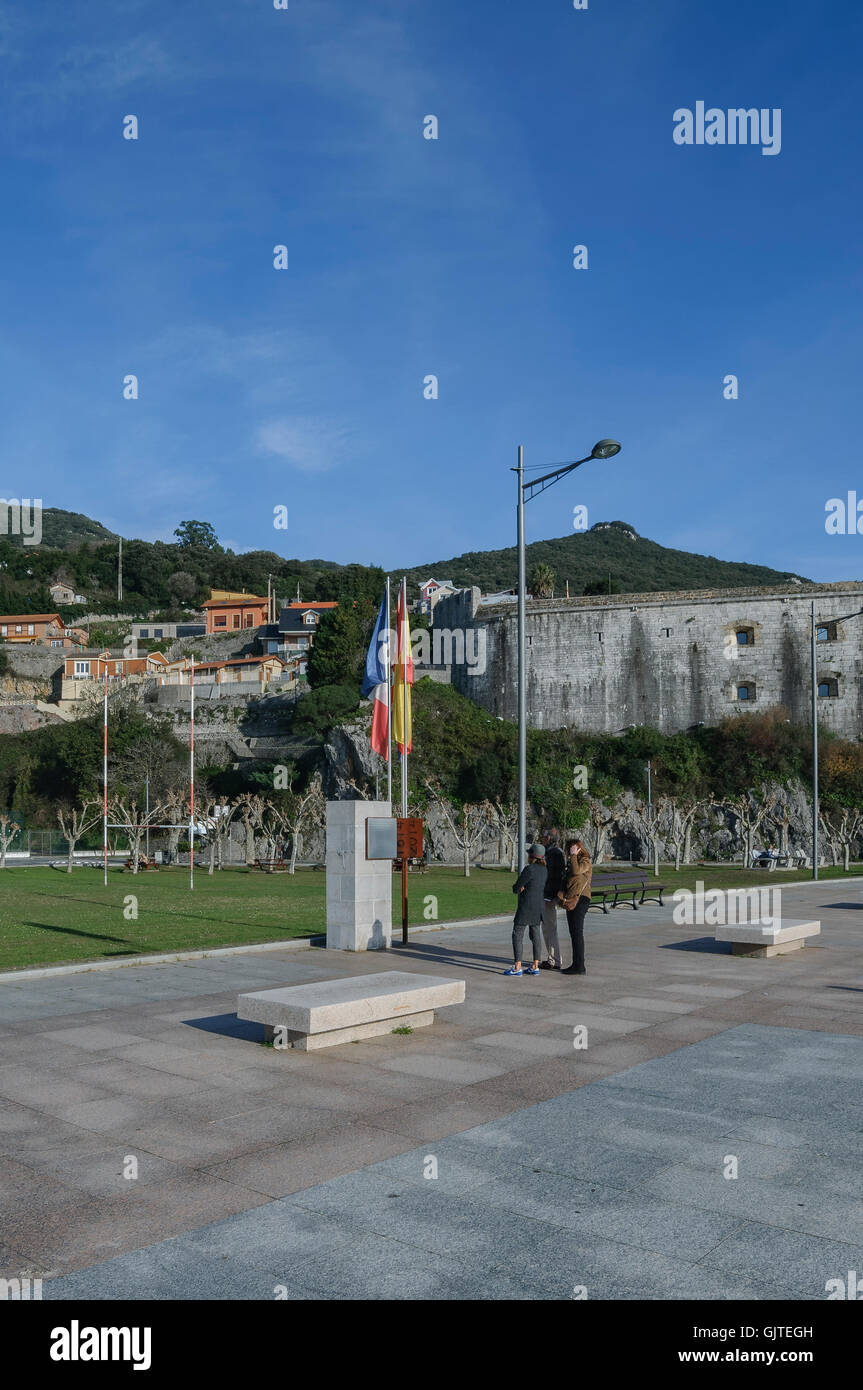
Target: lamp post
x,y
605,449
813,641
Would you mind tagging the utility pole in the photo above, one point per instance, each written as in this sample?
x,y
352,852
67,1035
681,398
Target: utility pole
x,y
605,449
815,850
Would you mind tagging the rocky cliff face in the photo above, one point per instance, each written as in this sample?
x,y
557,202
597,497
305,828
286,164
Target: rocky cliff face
x,y
349,760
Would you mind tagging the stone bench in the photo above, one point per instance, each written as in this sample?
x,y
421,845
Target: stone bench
x,y
755,939
343,1010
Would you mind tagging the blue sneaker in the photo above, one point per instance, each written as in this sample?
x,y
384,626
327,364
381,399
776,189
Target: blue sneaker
x,y
531,971
513,972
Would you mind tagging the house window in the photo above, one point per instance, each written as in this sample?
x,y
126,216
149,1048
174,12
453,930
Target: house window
x,y
30,630
17,627
745,637
236,619
144,632
310,619
746,692
221,622
826,632
248,620
272,647
4,630
57,643
118,668
157,632
82,668
668,631
302,642
829,689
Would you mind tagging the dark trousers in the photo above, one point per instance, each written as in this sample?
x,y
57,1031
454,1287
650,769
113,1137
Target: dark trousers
x,y
535,929
575,921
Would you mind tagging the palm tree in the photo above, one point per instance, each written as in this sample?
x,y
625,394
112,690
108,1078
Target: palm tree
x,y
541,582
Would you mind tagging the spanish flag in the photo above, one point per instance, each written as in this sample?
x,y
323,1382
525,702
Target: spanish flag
x,y
404,677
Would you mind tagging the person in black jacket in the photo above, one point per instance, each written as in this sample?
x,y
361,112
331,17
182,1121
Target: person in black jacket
x,y
530,888
555,860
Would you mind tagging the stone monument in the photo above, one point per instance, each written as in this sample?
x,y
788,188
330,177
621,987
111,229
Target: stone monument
x,y
359,890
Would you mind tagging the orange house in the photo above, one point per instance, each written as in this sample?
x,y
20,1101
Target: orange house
x,y
34,627
234,614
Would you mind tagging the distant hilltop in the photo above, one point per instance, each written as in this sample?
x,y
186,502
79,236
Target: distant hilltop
x,y
610,552
63,530
609,558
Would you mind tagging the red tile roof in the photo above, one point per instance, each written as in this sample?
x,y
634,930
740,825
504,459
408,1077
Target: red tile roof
x,y
31,618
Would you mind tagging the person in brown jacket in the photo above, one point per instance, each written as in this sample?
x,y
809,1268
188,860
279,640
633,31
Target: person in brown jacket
x,y
575,896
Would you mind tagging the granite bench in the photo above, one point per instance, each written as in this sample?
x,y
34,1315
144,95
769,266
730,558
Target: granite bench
x,y
344,1010
757,939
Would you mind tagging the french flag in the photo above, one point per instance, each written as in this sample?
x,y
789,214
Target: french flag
x,y
376,682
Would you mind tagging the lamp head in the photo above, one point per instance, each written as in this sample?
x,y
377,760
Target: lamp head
x,y
605,449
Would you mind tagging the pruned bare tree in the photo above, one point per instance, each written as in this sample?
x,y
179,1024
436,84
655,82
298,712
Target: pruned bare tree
x,y
468,824
782,820
177,812
682,813
133,820
600,819
503,816
75,822
297,813
9,828
846,824
751,810
215,816
251,808
654,825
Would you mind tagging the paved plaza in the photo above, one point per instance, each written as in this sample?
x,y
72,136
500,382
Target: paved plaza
x,y
263,1173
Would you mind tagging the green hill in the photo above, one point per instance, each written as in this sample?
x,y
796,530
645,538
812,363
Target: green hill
x,y
635,564
64,530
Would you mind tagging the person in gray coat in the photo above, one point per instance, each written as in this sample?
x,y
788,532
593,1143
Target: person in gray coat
x,y
530,888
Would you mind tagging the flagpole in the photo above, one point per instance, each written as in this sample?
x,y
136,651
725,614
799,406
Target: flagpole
x,y
389,705
192,778
105,781
403,636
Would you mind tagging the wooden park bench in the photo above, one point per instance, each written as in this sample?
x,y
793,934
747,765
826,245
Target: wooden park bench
x,y
143,863
624,884
271,866
414,865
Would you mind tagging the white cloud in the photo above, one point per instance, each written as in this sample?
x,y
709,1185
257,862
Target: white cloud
x,y
306,443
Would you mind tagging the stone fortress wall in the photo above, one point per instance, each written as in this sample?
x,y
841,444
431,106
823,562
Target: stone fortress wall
x,y
670,660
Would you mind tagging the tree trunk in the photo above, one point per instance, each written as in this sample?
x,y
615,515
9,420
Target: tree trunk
x,y
250,844
212,867
71,844
656,856
295,850
847,848
466,858
677,857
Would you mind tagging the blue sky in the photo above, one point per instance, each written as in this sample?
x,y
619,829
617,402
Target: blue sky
x,y
304,388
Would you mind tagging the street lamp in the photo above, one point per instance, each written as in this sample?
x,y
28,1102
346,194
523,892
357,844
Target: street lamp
x,y
812,637
605,449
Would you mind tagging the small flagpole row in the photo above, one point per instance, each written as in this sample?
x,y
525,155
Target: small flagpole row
x,y
389,752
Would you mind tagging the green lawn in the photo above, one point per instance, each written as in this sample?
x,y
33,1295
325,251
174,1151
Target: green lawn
x,y
50,918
